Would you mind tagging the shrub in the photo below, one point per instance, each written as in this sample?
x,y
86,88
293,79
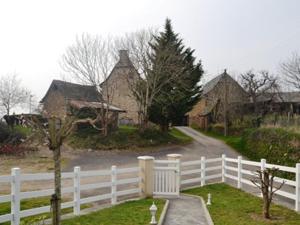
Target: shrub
x,y
9,149
274,144
4,132
217,128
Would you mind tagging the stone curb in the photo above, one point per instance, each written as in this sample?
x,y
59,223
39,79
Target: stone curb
x,y
163,213
207,215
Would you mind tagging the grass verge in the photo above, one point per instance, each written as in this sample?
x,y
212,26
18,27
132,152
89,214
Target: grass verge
x,y
129,213
231,206
127,137
235,142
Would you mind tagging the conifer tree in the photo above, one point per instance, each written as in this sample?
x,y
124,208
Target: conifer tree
x,y
174,65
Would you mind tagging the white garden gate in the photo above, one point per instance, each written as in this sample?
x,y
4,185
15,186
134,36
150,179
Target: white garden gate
x,y
166,177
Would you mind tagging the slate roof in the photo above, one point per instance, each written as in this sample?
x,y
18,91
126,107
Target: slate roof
x,y
72,91
211,84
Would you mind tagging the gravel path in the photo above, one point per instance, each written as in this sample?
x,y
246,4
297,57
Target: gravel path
x,y
186,211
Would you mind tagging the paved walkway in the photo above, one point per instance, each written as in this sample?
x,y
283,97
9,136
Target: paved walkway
x,y
186,210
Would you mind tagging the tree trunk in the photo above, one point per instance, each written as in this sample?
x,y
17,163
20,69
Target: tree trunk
x,y
266,196
266,209
164,127
144,124
56,197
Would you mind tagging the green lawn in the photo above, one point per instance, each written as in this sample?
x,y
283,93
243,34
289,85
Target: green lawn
x,y
33,203
231,206
129,213
126,137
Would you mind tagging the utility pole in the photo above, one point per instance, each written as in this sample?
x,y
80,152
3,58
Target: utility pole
x,y
225,104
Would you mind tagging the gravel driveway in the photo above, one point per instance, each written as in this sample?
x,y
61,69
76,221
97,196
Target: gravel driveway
x,y
201,146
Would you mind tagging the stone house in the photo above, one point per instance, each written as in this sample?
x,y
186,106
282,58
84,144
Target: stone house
x,y
118,85
65,98
215,93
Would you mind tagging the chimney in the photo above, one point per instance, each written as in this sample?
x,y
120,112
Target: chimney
x,y
123,54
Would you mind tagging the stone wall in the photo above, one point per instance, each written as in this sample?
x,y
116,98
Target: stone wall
x,y
211,106
55,104
121,94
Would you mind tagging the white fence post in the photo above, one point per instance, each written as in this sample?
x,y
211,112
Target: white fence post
x,y
76,207
202,171
113,185
223,168
262,168
178,175
15,196
297,203
239,183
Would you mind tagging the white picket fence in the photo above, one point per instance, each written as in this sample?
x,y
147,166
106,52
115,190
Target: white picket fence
x,y
241,171
16,196
169,177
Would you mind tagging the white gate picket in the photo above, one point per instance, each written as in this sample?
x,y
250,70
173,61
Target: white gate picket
x,y
165,177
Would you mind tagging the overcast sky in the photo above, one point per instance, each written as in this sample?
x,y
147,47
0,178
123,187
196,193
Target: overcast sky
x,y
233,34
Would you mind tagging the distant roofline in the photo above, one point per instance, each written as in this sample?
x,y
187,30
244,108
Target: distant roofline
x,y
64,82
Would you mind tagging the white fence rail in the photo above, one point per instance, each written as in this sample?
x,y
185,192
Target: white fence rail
x,y
241,171
169,177
16,179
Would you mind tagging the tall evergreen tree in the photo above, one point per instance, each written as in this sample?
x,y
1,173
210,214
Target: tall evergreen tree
x,y
174,65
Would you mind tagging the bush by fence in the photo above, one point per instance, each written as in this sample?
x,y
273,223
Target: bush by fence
x,y
277,145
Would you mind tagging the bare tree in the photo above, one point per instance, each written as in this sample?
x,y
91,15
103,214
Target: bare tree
x,y
265,182
56,130
291,70
259,84
89,61
12,94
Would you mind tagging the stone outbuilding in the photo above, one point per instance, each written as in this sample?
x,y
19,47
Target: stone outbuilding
x,y
215,93
118,84
65,98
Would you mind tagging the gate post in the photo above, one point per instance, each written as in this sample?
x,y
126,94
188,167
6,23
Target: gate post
x,y
146,174
176,157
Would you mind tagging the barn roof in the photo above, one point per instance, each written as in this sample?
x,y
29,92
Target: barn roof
x,y
74,91
210,85
291,97
95,105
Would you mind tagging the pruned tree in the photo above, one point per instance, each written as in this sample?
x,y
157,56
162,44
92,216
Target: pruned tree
x,y
56,130
257,85
12,94
264,180
89,61
291,70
